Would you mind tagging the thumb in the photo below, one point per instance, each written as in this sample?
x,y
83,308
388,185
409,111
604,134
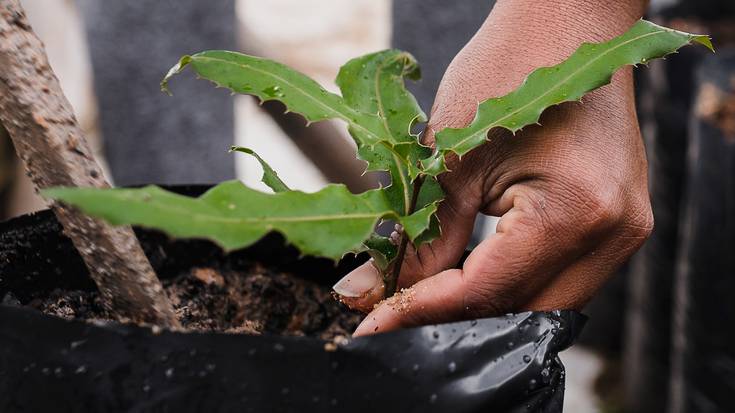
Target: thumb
x,y
362,288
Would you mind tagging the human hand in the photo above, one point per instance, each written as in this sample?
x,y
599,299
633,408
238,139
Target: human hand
x,y
572,195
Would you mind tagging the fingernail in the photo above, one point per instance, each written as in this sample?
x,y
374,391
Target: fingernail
x,y
358,283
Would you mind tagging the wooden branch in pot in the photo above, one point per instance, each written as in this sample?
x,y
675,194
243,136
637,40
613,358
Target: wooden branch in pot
x,y
49,140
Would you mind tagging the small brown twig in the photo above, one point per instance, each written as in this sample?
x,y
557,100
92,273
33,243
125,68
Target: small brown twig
x,y
50,143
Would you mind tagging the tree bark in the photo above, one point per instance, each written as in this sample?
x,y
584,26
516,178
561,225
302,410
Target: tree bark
x,y
50,143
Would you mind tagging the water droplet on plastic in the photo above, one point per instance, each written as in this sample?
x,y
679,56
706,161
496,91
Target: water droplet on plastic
x,y
436,334
278,347
75,344
333,402
526,358
545,375
473,323
285,391
432,398
251,352
169,373
415,368
510,344
452,367
147,388
81,369
46,371
532,384
58,372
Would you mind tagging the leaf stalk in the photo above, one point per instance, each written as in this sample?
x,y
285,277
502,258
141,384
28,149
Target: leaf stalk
x,y
391,277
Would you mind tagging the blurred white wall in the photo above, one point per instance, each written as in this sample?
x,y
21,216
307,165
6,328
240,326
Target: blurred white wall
x,y
315,37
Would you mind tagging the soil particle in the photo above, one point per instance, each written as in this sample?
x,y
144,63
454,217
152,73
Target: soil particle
x,y
401,301
254,300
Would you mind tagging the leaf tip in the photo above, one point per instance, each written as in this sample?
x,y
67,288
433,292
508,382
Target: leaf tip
x,y
705,41
176,69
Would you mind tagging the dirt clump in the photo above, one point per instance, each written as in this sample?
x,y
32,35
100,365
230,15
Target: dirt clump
x,y
255,300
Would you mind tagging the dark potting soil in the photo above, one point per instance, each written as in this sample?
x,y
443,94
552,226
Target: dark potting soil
x,y
252,300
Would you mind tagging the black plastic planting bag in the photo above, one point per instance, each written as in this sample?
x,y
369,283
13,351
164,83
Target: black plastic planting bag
x,y
503,364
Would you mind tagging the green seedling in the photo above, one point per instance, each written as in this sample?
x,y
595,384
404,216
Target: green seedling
x,y
380,115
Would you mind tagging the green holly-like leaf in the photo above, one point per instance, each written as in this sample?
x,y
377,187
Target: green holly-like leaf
x,y
430,195
326,223
374,83
269,80
590,67
381,250
270,177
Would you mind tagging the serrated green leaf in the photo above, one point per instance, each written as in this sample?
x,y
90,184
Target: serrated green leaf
x,y
374,83
430,195
433,232
269,80
270,177
590,67
381,250
326,223
422,226
417,223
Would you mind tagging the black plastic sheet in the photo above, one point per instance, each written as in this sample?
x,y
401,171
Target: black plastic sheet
x,y
502,364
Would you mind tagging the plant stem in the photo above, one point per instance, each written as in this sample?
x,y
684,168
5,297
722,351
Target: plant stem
x,y
391,280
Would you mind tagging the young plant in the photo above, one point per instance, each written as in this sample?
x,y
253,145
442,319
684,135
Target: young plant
x,y
380,115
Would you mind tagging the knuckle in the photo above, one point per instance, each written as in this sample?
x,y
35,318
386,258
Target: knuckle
x,y
592,207
640,222
603,208
478,304
488,296
613,209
